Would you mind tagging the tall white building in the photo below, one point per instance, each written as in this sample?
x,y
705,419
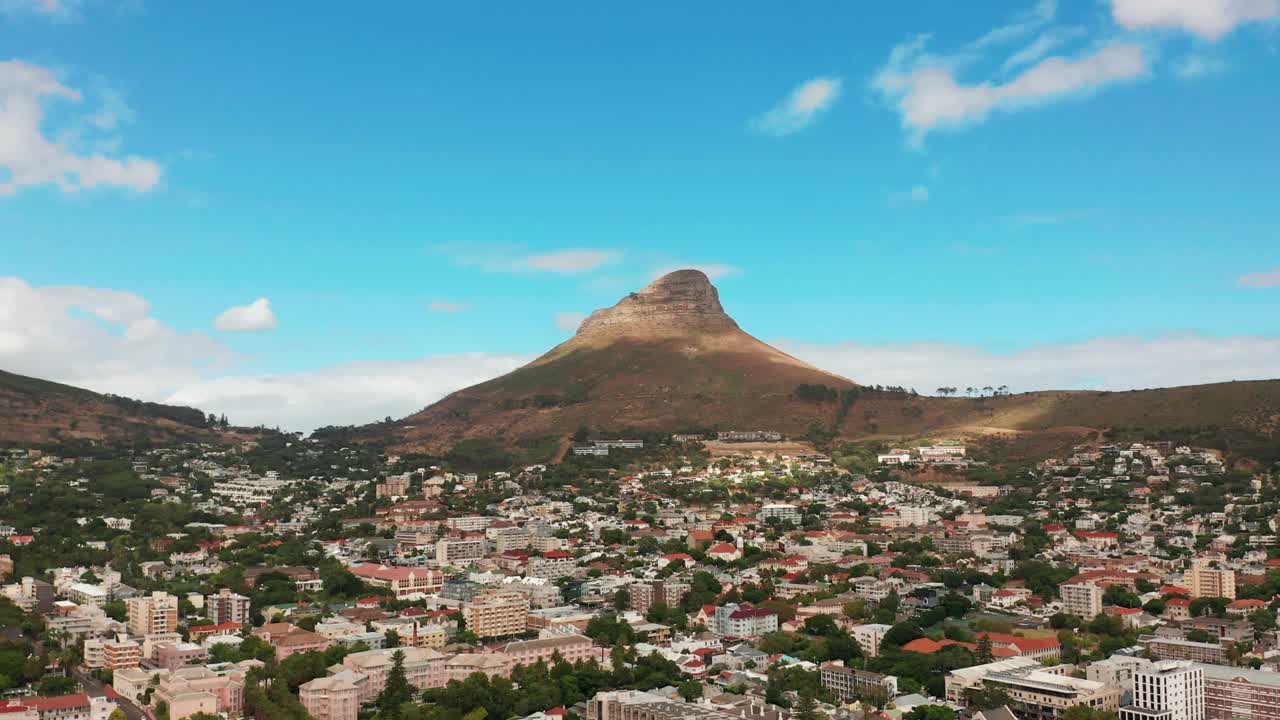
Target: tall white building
x,y
1168,690
1083,600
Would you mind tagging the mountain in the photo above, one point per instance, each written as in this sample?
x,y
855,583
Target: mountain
x,y
669,358
665,358
34,411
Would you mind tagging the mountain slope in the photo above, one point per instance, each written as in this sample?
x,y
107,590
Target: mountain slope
x,y
668,358
664,358
34,411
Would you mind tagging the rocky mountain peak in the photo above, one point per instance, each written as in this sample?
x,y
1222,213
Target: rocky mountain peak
x,y
679,301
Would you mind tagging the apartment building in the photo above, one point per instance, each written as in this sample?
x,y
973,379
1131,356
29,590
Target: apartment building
x,y
572,648
497,613
1083,600
744,621
226,606
289,639
154,613
781,511
423,668
1167,648
851,684
869,636
552,565
1167,690
336,697
646,595
1209,577
210,689
450,551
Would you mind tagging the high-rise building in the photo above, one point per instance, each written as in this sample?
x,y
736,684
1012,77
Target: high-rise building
x,y
1167,690
1083,600
1209,577
497,613
226,606
155,613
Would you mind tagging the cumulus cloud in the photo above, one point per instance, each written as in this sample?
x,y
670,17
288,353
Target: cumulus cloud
x,y
351,393
108,341
569,321
30,158
1264,279
1209,19
925,92
254,317
1110,363
444,306
799,109
102,339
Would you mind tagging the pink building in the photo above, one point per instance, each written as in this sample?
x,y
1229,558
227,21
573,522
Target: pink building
x,y
289,639
331,698
572,648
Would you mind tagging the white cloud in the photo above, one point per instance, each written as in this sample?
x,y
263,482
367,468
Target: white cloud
x,y
1197,66
1209,19
799,109
515,259
713,271
97,338
107,341
1046,43
928,96
569,321
254,317
1041,14
30,158
1264,279
569,262
916,196
352,393
1110,363
444,306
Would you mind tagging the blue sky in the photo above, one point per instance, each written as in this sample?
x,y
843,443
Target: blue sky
x,y
392,202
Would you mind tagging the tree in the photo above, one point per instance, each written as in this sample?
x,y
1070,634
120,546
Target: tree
x,y
1084,712
397,690
930,712
806,708
621,600
901,634
690,690
820,625
984,653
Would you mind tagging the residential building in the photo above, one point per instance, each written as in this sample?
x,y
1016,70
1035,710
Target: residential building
x,y
852,684
226,606
450,551
288,639
497,613
1083,600
336,697
744,621
572,648
1168,648
869,637
1167,690
781,511
154,613
1209,577
423,669
552,565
